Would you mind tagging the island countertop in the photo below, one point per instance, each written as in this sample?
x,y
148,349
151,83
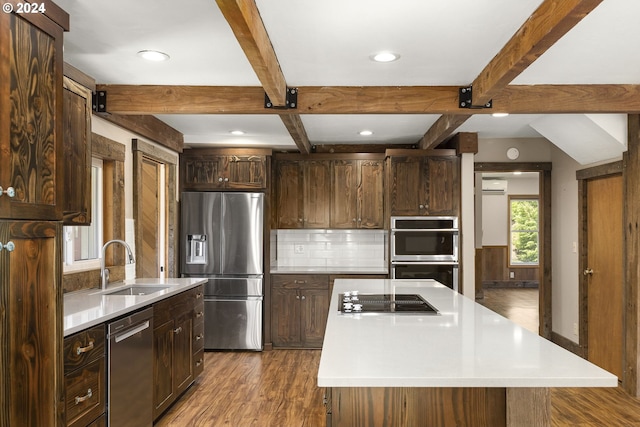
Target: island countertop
x,y
87,308
466,345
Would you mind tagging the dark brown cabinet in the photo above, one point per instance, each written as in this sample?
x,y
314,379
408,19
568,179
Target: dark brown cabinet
x,y
77,153
31,392
205,169
357,194
84,377
174,321
303,193
424,185
299,308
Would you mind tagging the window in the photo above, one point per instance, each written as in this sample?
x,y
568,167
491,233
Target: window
x,y
524,231
82,244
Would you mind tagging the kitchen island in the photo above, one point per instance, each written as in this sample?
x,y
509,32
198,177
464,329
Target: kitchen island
x,y
465,366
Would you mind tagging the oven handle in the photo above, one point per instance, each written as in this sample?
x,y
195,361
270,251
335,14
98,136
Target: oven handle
x,y
424,263
395,230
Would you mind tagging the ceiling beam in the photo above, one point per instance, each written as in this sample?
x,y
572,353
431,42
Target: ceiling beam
x,y
548,23
515,99
247,25
294,125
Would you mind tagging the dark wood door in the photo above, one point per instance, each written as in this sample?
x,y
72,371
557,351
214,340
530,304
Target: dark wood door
x,y
289,203
163,362
407,191
604,273
285,317
371,194
314,305
203,173
317,193
442,186
245,172
344,194
183,355
31,106
31,363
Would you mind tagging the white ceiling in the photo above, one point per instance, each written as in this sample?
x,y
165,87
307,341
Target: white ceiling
x,y
328,43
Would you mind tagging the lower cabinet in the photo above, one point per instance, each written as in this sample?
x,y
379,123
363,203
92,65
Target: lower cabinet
x,y
175,320
84,378
299,307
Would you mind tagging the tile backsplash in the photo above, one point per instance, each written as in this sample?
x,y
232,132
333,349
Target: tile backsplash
x,y
329,248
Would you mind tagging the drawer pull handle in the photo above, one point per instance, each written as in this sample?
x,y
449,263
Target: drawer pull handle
x,y
81,350
199,362
177,330
300,282
85,397
199,314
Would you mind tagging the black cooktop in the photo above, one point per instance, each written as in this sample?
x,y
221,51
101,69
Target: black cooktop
x,y
355,302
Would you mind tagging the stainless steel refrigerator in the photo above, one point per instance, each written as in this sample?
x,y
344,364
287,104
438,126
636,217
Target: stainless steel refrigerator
x,y
221,238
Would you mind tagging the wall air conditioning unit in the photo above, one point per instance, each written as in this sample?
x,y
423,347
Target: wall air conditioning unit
x,y
495,186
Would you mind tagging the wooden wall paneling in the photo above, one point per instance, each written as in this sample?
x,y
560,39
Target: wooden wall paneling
x,y
494,263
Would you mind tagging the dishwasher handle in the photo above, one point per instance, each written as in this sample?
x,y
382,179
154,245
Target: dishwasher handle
x,y
131,332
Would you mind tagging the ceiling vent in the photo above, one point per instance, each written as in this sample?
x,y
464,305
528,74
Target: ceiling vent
x,y
495,186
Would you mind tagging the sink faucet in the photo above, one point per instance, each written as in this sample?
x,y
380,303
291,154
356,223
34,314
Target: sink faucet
x,y
104,272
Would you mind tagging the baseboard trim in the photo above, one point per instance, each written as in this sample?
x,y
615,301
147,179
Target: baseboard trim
x,y
489,284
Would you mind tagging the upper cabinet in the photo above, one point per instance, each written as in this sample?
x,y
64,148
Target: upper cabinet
x,y
31,105
357,189
77,153
219,169
302,194
424,184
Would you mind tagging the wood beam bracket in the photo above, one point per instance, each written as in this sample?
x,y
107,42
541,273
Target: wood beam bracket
x,y
291,100
465,99
99,101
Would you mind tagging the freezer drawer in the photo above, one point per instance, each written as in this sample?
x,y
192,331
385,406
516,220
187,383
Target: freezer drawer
x,y
233,287
233,324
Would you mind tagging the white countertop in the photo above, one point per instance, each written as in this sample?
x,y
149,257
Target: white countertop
x,y
467,345
87,308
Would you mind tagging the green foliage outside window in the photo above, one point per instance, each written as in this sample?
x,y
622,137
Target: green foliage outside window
x,y
524,231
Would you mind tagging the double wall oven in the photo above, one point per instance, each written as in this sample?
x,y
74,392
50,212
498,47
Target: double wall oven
x,y
425,247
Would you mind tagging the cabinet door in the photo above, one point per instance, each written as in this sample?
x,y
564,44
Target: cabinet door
x,y
314,305
30,107
183,353
407,186
371,194
285,317
77,153
317,193
163,355
245,172
289,195
344,194
31,363
443,185
203,173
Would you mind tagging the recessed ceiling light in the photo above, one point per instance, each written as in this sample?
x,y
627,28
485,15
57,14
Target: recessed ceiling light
x,y
365,133
237,132
384,57
153,55
500,114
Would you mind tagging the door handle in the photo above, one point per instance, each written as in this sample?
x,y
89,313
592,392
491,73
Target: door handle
x,y
132,332
588,272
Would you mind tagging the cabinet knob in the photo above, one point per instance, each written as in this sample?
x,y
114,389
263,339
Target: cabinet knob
x,y
359,219
220,179
226,180
177,330
303,297
199,314
9,246
10,191
353,220
588,272
199,337
199,295
199,362
297,296
421,206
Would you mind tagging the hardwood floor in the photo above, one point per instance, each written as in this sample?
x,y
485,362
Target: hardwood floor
x,y
278,388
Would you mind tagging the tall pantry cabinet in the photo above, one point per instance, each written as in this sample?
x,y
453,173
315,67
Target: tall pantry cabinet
x,y
31,204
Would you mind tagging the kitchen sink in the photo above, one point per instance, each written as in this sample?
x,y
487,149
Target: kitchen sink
x,y
137,290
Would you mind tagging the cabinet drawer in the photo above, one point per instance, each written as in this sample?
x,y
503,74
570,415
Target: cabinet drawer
x,y
198,363
300,281
83,347
198,336
85,393
100,422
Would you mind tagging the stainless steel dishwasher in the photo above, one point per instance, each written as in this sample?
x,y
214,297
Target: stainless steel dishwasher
x,y
130,372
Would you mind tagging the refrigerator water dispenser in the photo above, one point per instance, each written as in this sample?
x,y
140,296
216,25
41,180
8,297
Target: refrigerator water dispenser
x,y
196,249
